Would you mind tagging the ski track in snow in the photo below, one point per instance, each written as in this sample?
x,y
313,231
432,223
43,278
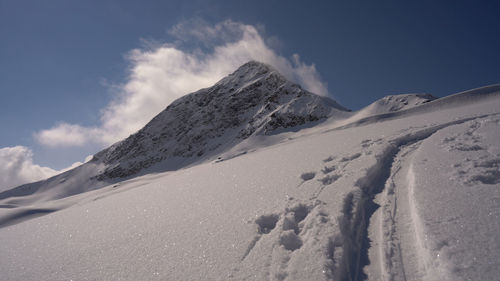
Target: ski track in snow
x,y
359,206
399,248
379,233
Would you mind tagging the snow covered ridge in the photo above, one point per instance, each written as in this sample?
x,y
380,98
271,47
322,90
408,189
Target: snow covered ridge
x,y
254,100
376,113
397,102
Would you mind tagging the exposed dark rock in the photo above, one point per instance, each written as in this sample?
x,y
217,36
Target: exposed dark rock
x,y
255,99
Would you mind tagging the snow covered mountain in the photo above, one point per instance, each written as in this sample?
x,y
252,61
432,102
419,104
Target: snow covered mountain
x,y
253,100
406,192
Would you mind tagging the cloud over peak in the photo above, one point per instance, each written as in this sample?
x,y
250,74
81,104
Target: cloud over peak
x,y
200,55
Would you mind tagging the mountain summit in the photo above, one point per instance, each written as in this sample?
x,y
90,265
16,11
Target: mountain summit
x,y
254,100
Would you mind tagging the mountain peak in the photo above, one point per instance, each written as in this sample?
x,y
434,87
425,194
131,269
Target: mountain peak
x,y
254,65
254,100
249,73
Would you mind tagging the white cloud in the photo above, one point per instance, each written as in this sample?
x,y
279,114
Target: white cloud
x,y
17,167
201,55
64,134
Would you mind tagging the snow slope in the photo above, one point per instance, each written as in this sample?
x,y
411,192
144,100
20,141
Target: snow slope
x,y
395,103
408,195
253,101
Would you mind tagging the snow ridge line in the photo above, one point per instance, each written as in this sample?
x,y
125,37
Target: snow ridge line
x,y
359,205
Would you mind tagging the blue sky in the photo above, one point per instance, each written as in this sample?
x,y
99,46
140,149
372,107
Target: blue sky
x,y
65,64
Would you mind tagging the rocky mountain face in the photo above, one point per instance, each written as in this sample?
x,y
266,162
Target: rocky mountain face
x,y
254,100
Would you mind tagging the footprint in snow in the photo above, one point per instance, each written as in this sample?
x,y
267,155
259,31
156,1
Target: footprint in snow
x,y
329,159
366,143
290,241
328,169
266,223
350,158
308,176
294,216
290,238
329,179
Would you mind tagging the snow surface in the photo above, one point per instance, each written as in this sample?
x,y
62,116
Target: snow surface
x,y
395,103
406,195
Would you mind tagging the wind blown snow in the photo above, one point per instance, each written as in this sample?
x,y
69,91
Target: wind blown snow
x,y
161,73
